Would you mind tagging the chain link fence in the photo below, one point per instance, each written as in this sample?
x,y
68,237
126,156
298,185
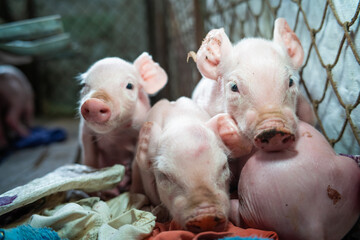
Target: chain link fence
x,y
329,32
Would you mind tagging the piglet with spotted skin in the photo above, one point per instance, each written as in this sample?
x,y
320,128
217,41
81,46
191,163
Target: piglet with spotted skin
x,y
255,82
306,192
113,106
181,161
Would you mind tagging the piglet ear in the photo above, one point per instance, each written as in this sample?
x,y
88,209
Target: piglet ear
x,y
305,111
215,45
284,36
154,77
226,128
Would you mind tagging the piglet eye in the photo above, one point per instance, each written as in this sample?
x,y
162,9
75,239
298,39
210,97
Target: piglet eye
x,y
234,87
129,86
85,88
162,177
291,82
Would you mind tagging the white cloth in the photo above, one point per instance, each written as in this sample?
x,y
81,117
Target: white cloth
x,y
91,218
65,178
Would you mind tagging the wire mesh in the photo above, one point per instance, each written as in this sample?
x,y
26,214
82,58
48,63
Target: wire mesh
x,y
330,76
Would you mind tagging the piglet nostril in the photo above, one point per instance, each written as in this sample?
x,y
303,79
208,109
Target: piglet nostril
x,y
104,110
285,140
85,111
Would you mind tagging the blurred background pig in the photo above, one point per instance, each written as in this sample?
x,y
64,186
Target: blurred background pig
x,y
113,106
181,162
255,82
305,192
16,104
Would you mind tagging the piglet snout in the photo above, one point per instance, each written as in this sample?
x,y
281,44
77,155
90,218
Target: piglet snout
x,y
274,140
273,134
95,110
206,218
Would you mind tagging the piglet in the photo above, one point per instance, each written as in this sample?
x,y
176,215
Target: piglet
x,y
181,161
113,106
16,104
255,81
305,192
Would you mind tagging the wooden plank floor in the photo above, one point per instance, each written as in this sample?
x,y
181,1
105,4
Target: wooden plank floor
x,y
25,165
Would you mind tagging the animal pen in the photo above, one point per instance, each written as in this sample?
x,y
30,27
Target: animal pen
x,y
169,29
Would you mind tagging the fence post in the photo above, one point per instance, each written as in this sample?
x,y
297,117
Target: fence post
x,y
158,34
199,8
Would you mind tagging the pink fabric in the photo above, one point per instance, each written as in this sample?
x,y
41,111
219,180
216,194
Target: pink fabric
x,y
171,230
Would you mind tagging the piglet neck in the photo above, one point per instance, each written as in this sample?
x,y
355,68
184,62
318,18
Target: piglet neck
x,y
142,108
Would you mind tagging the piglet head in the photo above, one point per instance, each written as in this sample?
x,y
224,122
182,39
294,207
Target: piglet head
x,y
258,81
115,91
191,174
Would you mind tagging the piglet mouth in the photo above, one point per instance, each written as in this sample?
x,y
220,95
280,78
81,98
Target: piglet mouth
x,y
273,135
205,223
210,221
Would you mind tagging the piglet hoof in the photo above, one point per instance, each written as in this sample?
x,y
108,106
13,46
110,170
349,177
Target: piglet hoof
x,y
209,222
143,144
274,140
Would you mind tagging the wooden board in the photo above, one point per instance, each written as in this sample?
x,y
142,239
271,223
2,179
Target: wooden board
x,y
28,164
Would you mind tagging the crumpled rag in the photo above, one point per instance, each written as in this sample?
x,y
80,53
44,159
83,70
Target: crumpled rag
x,y
171,230
92,219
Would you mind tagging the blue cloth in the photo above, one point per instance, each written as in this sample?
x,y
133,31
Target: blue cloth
x,y
26,232
38,136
